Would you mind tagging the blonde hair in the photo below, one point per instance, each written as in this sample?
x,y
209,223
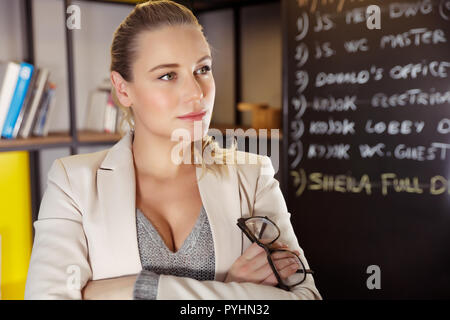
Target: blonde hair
x,y
149,16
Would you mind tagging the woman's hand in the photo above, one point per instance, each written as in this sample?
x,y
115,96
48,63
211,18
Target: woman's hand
x,y
120,288
252,266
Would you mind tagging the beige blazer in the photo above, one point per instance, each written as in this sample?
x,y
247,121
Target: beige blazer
x,y
86,227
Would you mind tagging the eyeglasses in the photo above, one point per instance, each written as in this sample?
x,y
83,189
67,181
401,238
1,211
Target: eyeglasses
x,y
265,232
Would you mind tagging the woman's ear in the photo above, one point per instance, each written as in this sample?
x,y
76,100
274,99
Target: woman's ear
x,y
121,89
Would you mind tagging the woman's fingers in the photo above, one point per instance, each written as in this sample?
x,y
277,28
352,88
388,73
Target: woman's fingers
x,y
252,251
288,270
263,272
285,263
285,272
284,253
271,280
281,264
280,245
253,265
253,258
286,266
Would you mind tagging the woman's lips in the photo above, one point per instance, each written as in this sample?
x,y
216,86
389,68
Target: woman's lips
x,y
194,117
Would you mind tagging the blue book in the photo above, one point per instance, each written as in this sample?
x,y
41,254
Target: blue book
x,y
25,73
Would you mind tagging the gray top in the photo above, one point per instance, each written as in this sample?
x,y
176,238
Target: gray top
x,y
195,259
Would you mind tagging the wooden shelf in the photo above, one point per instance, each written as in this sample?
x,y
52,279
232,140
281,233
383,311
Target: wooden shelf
x,y
54,139
57,140
86,138
92,137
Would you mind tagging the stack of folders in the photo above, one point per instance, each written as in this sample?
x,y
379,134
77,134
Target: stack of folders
x,y
27,100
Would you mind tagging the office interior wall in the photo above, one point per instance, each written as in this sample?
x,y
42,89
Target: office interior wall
x,y
11,30
218,29
261,54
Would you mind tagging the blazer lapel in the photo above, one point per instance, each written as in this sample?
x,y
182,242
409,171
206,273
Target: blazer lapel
x,y
117,204
117,197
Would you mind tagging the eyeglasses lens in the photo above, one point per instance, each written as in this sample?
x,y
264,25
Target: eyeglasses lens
x,y
264,230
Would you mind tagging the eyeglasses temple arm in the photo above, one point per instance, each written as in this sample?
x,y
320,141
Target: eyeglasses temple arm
x,y
305,271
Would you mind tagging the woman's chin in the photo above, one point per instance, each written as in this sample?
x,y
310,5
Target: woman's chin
x,y
197,129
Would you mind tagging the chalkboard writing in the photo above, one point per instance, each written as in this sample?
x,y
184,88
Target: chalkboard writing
x,y
367,143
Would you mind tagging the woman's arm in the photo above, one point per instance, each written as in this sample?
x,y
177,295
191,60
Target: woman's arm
x,y
270,202
252,266
120,288
143,286
59,266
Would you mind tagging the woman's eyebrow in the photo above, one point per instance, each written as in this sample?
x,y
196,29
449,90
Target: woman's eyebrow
x,y
176,65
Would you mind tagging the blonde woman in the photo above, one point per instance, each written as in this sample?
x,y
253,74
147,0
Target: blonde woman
x,y
131,222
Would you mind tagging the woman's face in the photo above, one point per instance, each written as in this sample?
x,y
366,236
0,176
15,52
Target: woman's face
x,y
160,94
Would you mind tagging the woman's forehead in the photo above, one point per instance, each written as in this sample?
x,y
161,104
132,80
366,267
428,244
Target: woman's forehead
x,y
173,44
172,36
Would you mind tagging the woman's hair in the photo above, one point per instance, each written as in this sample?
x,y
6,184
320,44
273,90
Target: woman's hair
x,y
149,16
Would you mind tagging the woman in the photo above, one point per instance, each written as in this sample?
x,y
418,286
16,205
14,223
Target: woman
x,y
135,221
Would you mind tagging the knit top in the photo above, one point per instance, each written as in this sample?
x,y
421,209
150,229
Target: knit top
x,y
195,258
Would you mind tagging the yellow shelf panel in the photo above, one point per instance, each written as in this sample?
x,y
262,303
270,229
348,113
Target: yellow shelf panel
x,y
15,223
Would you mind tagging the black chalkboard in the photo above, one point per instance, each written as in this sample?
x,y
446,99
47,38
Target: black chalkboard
x,y
366,139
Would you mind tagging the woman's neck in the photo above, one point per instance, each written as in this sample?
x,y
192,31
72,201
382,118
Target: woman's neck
x,y
153,158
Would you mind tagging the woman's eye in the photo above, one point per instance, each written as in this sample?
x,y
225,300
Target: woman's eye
x,y
205,69
167,74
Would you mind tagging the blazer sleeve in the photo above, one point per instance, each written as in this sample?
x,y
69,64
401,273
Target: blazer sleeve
x,y
269,201
59,265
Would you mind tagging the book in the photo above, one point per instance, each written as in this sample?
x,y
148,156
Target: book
x,y
50,109
30,116
39,113
9,73
95,116
23,81
44,110
26,103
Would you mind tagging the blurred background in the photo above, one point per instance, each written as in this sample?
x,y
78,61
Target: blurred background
x,y
245,35
359,91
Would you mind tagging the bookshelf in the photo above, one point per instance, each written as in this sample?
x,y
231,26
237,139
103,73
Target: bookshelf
x,y
58,140
54,139
73,138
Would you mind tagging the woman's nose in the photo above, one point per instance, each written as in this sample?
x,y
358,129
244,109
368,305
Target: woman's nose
x,y
194,91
